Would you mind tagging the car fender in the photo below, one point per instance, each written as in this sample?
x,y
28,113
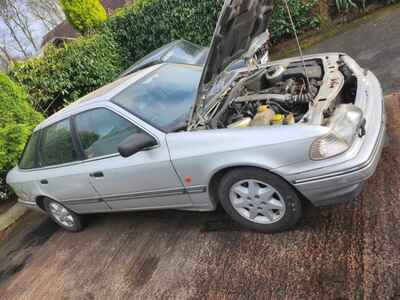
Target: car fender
x,y
201,154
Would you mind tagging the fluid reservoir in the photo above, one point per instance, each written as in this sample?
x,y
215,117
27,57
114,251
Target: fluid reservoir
x,y
277,119
263,117
289,119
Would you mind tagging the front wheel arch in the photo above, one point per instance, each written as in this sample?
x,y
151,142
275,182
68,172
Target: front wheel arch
x,y
217,176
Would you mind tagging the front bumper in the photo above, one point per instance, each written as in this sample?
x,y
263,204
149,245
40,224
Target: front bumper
x,y
341,178
343,185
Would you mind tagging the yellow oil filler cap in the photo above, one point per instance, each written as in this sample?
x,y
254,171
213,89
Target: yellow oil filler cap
x,y
277,119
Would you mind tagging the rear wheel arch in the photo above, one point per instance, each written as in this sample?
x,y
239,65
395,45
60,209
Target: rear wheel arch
x,y
40,202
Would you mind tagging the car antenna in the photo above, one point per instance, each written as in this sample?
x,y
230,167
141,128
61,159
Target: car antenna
x,y
298,42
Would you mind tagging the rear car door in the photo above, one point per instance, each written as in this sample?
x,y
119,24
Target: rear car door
x,y
60,175
145,180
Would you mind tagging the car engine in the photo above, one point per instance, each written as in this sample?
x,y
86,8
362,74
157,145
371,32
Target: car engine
x,y
285,94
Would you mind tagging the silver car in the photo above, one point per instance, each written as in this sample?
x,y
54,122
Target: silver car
x,y
260,140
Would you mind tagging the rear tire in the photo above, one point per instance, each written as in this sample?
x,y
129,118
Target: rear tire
x,y
259,200
65,218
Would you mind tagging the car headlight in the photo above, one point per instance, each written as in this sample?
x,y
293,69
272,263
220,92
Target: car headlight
x,y
344,126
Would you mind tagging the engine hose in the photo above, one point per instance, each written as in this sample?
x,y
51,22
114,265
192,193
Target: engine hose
x,y
263,97
303,98
287,98
277,107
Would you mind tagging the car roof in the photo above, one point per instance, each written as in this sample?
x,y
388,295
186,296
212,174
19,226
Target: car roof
x,y
103,94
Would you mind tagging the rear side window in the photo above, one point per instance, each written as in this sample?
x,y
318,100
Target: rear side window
x,y
56,145
100,131
29,159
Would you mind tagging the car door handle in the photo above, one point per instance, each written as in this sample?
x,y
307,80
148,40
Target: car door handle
x,y
96,174
44,181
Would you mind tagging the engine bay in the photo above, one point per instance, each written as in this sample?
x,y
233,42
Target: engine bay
x,y
286,94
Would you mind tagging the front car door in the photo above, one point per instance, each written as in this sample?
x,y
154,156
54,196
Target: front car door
x,y
146,180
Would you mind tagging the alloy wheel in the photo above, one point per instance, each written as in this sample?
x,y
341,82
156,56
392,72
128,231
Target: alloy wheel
x,y
61,214
257,201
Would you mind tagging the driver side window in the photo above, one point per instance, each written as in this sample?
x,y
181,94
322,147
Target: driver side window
x,y
100,131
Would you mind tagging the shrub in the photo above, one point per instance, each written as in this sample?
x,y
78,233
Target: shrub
x,y
304,16
17,120
63,75
84,15
344,6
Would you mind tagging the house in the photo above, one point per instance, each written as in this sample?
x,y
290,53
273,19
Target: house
x,y
64,31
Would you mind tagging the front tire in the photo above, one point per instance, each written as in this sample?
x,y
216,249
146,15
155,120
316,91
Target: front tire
x,y
259,200
64,217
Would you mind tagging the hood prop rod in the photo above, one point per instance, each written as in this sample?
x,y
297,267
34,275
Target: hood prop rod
x,y
298,43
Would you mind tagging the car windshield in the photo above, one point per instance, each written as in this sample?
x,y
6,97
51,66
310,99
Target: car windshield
x,y
184,52
164,97
181,52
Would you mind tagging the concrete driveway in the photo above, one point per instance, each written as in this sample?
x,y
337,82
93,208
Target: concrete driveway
x,y
350,251
375,45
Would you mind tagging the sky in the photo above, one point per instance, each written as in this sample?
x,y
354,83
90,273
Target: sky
x,y
37,28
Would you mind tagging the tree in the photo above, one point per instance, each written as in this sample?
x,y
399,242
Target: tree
x,y
84,15
23,23
17,37
48,12
16,18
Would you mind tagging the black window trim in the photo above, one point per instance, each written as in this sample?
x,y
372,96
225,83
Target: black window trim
x,y
75,139
38,152
36,157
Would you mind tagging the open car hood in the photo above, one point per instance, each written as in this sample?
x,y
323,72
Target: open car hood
x,y
241,28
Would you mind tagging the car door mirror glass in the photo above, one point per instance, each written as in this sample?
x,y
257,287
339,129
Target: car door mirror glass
x,y
136,143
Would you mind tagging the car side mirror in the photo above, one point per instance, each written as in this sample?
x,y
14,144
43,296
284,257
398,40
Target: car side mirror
x,y
136,143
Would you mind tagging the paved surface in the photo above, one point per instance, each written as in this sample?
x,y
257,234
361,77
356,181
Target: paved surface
x,y
11,216
346,252
375,45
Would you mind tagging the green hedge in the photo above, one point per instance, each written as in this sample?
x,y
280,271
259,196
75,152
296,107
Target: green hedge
x,y
17,120
148,24
61,76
